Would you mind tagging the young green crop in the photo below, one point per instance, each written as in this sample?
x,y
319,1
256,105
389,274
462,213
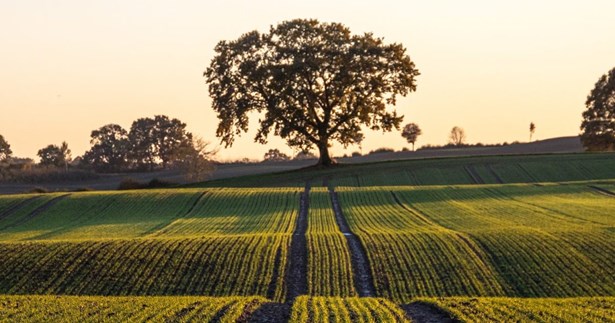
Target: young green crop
x,y
329,266
583,309
517,240
124,309
336,309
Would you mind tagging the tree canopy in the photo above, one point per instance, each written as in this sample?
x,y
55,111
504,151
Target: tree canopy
x,y
313,82
5,149
457,136
411,132
53,155
598,126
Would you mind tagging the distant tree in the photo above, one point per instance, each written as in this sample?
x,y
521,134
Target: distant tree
x,y
532,130
110,149
457,136
67,156
5,149
51,155
598,126
195,160
411,132
157,139
143,149
304,155
315,82
275,155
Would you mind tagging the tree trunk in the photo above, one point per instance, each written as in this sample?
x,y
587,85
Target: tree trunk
x,y
324,159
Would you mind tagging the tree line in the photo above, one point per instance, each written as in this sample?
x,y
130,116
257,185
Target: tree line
x,y
150,143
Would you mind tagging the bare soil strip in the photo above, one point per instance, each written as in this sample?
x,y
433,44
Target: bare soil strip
x,y
498,179
271,313
474,175
6,213
421,312
276,272
603,191
37,211
364,283
296,275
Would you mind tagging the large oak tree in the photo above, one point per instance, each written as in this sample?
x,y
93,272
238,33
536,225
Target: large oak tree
x,y
313,82
598,124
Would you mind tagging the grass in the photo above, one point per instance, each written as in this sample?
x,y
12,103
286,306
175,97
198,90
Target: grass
x,y
337,309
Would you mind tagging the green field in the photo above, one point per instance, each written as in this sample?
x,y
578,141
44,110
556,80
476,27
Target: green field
x,y
482,238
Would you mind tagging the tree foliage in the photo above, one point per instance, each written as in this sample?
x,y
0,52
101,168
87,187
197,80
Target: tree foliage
x,y
195,160
5,149
598,126
411,132
275,155
532,130
313,82
52,155
457,136
110,148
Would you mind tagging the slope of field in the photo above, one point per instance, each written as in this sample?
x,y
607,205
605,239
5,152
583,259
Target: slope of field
x,y
444,171
514,240
164,242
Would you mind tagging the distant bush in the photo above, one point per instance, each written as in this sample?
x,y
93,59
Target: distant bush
x,y
356,154
130,184
38,190
382,151
133,184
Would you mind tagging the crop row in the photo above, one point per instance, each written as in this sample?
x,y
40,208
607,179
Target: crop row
x,y
551,241
329,265
126,309
336,309
485,170
177,213
583,309
217,266
239,211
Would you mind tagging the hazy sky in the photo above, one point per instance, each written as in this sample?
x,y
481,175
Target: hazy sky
x,y
70,66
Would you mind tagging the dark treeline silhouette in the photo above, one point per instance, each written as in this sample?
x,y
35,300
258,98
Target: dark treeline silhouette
x,y
316,83
598,126
151,143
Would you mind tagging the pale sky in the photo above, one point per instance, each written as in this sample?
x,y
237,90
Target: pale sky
x,y
491,67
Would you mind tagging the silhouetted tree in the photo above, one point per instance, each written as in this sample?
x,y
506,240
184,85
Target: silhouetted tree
x,y
195,160
51,155
598,124
532,130
143,148
303,155
315,83
275,155
110,148
457,136
5,149
411,132
66,154
157,139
